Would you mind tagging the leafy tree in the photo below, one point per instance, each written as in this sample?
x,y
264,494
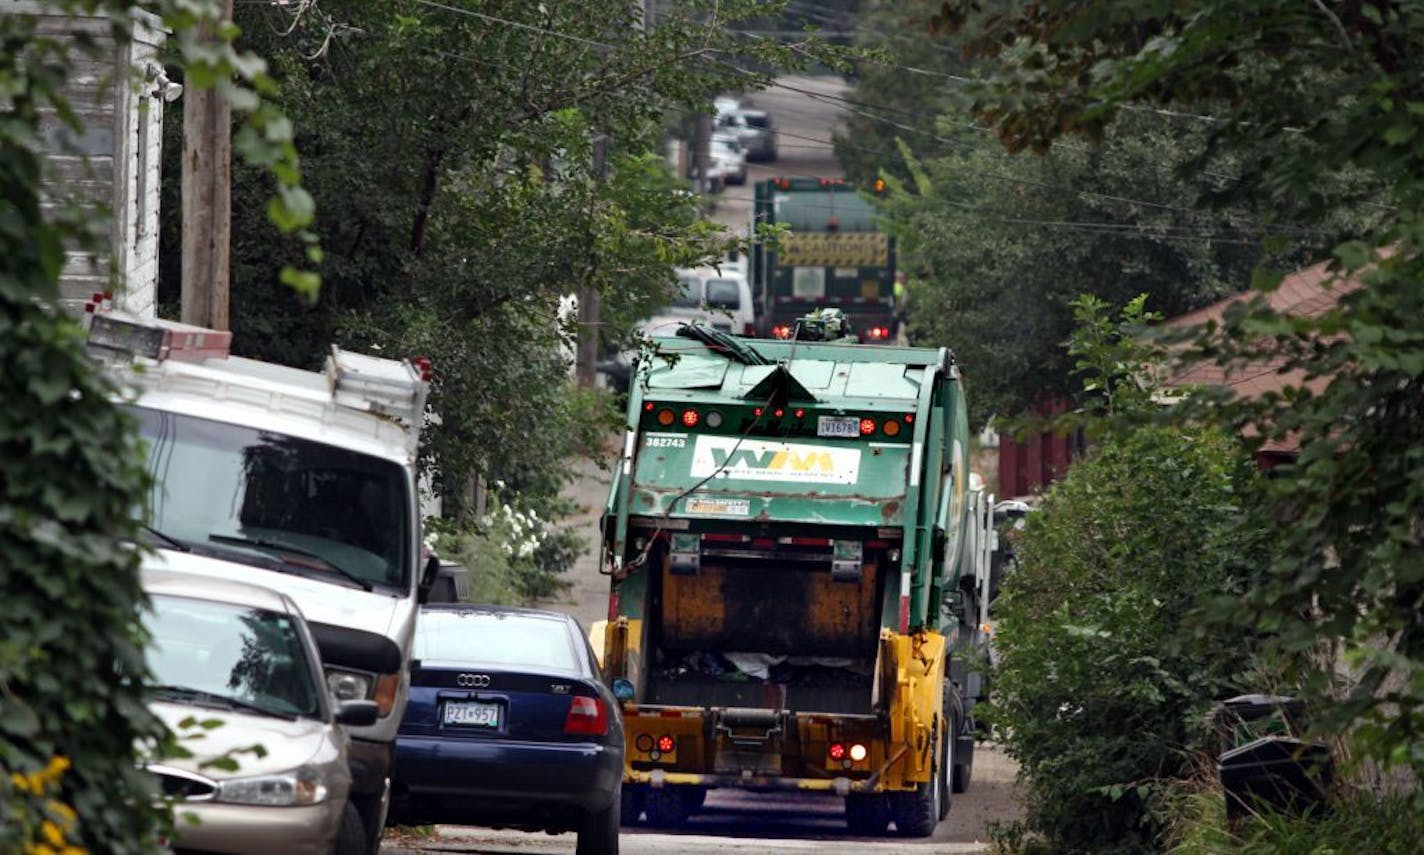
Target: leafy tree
x,y
997,247
453,152
1103,678
1322,105
72,702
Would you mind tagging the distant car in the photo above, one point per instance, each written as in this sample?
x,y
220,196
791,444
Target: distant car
x,y
725,105
728,158
242,655
509,725
755,130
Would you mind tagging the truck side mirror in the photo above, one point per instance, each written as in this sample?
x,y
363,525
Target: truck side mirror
x,y
427,578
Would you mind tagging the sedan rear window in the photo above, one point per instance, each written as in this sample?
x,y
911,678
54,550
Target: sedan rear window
x,y
494,640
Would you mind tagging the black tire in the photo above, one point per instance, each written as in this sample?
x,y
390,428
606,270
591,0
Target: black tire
x,y
915,812
963,774
351,836
598,834
631,804
696,798
668,807
373,821
867,814
944,771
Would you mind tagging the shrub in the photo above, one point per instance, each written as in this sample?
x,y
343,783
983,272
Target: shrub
x,y
1101,677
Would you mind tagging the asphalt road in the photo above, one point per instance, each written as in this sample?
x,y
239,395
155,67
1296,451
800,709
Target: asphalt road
x,y
806,112
733,822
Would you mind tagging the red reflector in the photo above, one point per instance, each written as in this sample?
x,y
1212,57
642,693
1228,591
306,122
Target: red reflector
x,y
779,413
648,407
424,366
689,418
867,427
837,751
586,715
800,413
909,418
757,412
666,744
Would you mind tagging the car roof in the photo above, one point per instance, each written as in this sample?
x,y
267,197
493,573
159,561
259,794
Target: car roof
x,y
161,581
486,608
748,112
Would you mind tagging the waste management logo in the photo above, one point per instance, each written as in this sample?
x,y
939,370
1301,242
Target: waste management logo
x,y
758,460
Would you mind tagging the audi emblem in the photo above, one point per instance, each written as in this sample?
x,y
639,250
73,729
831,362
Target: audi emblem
x,y
473,681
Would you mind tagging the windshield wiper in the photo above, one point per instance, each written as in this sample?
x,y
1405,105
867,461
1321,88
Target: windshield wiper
x,y
211,699
279,546
168,539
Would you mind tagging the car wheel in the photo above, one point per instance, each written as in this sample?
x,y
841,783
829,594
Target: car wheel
x,y
634,798
372,811
867,814
668,807
598,834
351,836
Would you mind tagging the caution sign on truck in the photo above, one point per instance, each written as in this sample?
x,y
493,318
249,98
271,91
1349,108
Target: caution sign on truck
x,y
830,249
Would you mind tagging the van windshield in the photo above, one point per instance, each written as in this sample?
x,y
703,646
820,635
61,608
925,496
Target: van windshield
x,y
322,511
689,293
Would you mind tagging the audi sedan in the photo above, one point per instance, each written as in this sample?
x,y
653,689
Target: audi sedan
x,y
509,725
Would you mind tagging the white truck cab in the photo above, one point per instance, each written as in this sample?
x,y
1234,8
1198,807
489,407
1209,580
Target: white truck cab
x,y
300,481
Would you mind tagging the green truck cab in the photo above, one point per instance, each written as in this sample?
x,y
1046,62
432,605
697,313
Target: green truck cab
x,y
798,564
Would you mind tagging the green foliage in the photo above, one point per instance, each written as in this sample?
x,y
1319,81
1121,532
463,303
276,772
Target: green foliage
x,y
72,701
514,556
463,195
1357,822
997,247
1320,106
1103,678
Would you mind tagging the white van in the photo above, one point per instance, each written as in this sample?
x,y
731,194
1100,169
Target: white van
x,y
720,297
300,481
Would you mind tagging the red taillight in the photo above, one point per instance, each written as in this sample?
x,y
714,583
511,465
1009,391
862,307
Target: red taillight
x,y
689,418
781,331
800,413
666,744
424,366
778,412
648,406
867,427
587,715
837,751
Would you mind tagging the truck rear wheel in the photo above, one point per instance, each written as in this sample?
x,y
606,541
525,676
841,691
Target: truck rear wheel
x,y
943,772
867,814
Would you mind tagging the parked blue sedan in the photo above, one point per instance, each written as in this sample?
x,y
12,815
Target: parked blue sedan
x,y
509,725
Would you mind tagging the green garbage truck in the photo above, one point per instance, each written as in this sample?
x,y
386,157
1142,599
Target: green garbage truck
x,y
798,560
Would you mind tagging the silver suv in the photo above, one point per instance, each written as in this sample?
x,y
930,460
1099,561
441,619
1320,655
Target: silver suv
x,y
755,131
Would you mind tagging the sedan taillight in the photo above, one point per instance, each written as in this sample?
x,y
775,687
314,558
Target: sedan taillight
x,y
586,716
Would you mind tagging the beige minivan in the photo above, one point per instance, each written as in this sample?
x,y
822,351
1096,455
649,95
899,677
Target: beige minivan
x,y
242,656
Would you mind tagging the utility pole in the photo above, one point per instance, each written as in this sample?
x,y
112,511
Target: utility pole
x,y
207,202
701,145
589,306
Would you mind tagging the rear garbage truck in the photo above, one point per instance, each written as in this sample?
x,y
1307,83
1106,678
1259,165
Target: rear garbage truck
x,y
832,254
300,481
799,562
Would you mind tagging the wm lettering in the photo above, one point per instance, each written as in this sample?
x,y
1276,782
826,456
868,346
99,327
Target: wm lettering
x,y
773,461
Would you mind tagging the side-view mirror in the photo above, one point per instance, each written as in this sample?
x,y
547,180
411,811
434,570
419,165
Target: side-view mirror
x,y
427,578
357,713
623,689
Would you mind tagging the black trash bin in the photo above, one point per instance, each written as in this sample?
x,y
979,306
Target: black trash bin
x,y
1263,763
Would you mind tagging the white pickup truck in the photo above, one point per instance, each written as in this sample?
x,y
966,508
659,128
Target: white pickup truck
x,y
300,481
